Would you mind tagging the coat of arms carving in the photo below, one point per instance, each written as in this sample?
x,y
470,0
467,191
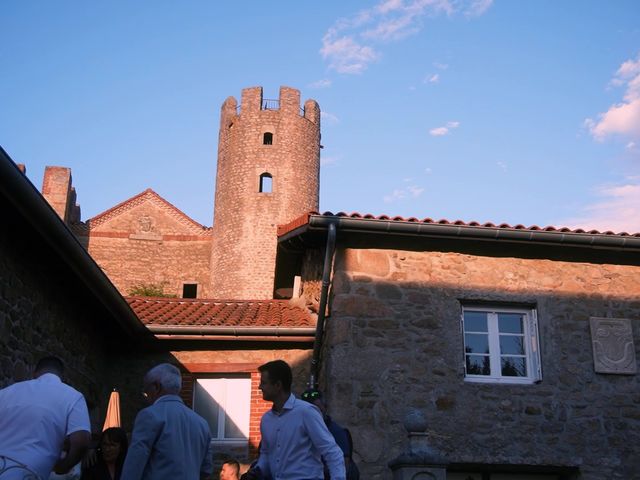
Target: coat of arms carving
x,y
613,348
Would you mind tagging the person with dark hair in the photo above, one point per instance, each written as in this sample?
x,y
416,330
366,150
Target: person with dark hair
x,y
230,470
341,435
169,440
295,439
37,418
112,450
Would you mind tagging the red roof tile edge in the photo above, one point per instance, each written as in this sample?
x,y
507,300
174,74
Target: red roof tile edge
x,y
304,219
175,312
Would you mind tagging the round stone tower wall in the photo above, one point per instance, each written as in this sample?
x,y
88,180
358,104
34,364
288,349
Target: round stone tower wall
x,y
262,181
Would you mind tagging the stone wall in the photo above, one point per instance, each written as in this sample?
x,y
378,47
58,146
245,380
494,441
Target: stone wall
x,y
394,342
58,190
44,310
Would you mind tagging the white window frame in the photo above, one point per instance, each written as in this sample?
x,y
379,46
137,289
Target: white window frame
x,y
531,345
225,398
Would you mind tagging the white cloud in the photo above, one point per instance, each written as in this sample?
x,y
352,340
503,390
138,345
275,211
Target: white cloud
x,y
435,78
477,8
414,191
440,66
397,194
329,160
623,118
428,171
323,83
348,45
502,165
617,211
329,118
441,131
345,55
388,6
410,191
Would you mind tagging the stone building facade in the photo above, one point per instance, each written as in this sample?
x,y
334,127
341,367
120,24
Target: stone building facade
x,y
402,334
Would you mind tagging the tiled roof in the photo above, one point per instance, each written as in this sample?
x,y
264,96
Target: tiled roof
x,y
302,220
220,313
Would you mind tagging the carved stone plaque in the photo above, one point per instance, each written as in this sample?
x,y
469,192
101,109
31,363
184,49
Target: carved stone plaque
x,y
613,349
145,229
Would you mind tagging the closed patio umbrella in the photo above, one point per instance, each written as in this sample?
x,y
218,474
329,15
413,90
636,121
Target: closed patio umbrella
x,y
112,418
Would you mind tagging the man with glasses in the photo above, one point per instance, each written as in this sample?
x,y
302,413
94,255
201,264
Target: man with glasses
x,y
169,440
295,439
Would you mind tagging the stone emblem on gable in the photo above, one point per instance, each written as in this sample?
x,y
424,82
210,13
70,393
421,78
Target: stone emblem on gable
x,y
146,224
145,229
613,348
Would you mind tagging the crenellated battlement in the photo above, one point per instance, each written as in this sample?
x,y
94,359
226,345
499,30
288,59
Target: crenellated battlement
x,y
252,101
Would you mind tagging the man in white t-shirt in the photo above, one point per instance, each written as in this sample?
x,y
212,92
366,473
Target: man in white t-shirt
x,y
36,416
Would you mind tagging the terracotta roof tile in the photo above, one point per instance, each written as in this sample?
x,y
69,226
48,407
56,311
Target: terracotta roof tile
x,y
220,313
283,229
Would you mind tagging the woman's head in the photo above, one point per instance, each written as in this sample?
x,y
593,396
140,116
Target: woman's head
x,y
113,445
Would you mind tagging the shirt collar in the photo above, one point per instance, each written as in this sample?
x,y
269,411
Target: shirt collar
x,y
49,377
288,405
168,398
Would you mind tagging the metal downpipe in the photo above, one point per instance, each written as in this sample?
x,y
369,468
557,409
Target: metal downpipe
x,y
324,293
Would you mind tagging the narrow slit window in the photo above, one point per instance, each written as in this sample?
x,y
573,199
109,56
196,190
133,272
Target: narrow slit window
x,y
267,138
266,183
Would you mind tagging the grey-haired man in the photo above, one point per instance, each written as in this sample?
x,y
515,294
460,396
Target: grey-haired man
x,y
169,439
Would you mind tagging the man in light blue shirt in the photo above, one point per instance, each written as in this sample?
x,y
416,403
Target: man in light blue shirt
x,y
169,440
36,416
295,438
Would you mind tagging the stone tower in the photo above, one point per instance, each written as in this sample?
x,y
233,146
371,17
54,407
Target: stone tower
x,y
268,174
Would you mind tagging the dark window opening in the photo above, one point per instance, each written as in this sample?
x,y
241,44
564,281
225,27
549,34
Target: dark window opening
x,y
266,183
190,290
267,139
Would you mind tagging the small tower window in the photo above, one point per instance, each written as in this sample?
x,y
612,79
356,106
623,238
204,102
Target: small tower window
x,y
266,183
189,290
267,139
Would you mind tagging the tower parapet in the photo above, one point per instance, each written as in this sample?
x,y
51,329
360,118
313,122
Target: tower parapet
x,y
267,174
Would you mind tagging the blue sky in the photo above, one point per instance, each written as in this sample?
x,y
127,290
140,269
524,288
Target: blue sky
x,y
524,112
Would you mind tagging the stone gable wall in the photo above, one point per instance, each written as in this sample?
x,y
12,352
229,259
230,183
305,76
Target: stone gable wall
x,y
147,245
394,342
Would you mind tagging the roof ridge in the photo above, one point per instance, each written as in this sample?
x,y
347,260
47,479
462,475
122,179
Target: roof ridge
x,y
131,202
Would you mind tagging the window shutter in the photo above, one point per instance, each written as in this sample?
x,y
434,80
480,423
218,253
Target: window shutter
x,y
535,346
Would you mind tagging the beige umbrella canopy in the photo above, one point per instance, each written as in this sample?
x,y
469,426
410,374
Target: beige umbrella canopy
x,y
112,418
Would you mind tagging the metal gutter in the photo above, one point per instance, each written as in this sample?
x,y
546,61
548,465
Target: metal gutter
x,y
281,332
396,227
227,338
322,307
26,199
